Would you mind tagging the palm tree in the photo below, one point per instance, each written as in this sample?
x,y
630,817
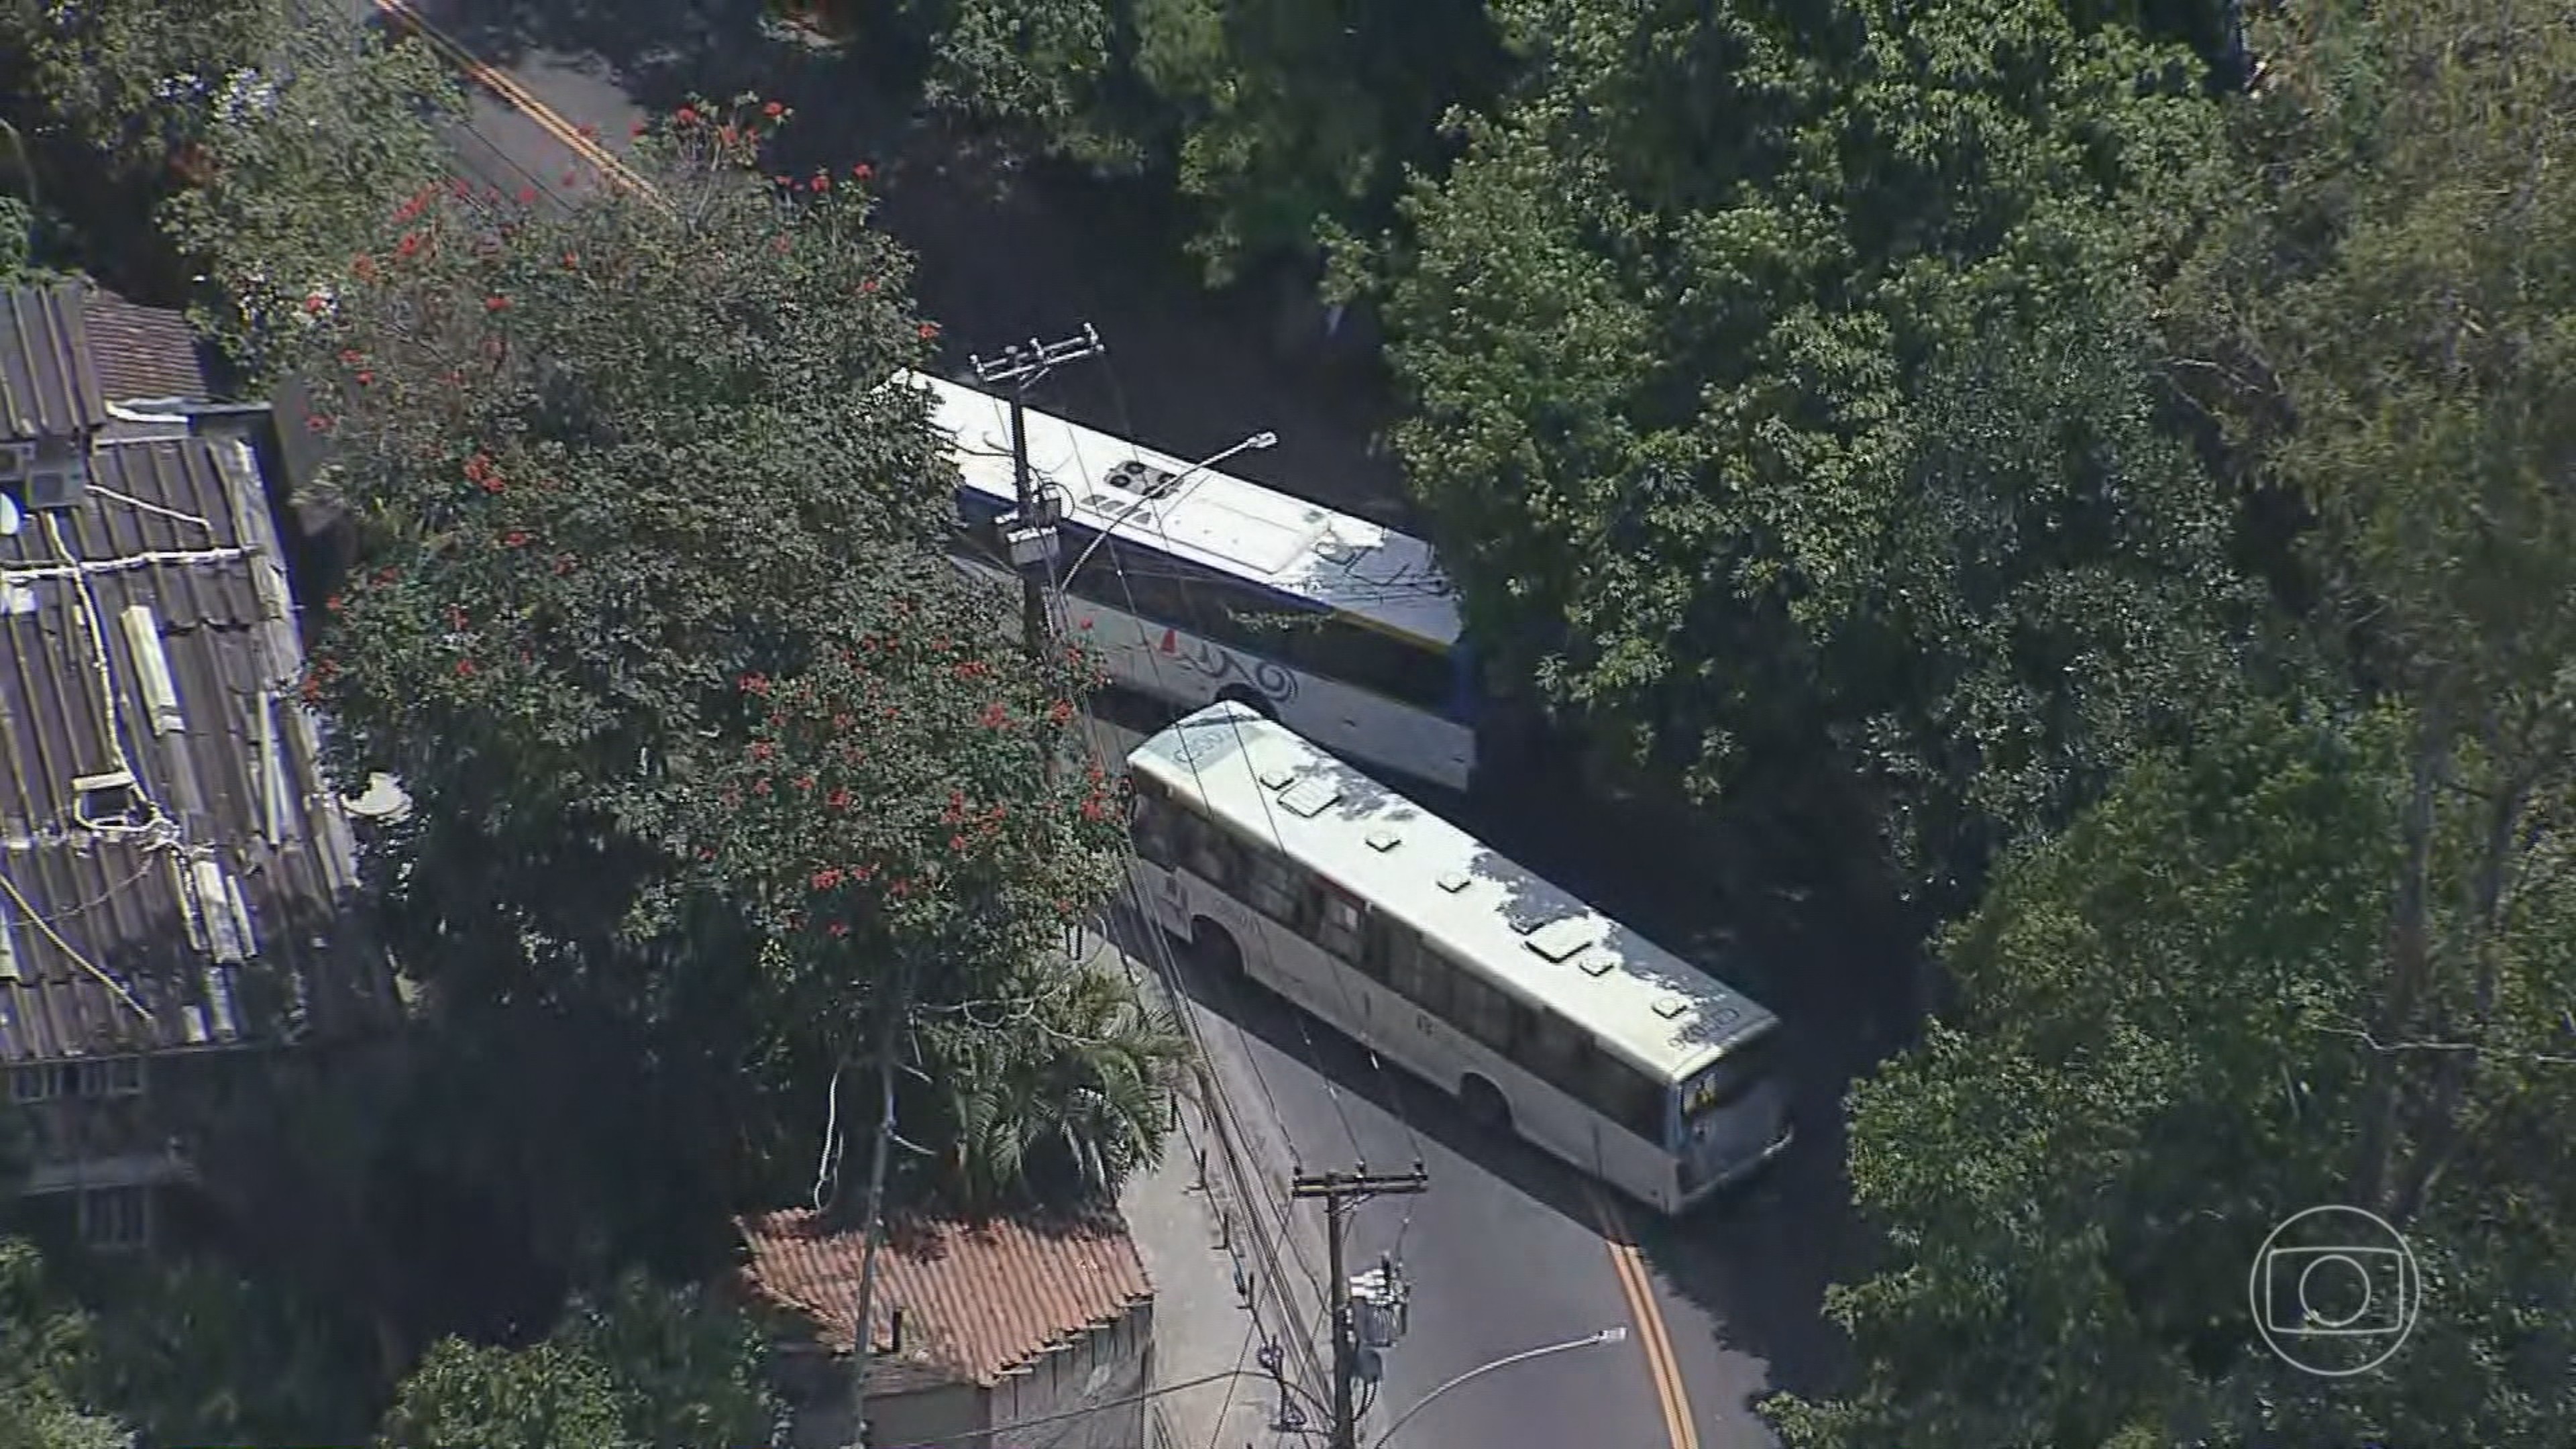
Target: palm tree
x,y
1057,1094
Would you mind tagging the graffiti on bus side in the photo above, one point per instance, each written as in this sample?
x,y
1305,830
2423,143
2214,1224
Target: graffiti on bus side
x,y
1268,676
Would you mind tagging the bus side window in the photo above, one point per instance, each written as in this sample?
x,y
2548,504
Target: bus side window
x,y
1425,978
1388,941
1557,1052
1157,828
1215,856
1275,890
1484,1012
1624,1095
1337,923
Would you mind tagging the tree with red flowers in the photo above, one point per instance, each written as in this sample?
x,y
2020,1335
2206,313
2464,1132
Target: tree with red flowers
x,y
612,461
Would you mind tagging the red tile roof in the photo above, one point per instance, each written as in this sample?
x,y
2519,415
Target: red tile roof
x,y
144,352
978,1299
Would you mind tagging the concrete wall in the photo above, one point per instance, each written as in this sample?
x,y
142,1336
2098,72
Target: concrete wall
x,y
1109,1365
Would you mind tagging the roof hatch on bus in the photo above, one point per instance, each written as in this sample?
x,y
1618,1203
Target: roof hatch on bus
x,y
1558,940
1310,797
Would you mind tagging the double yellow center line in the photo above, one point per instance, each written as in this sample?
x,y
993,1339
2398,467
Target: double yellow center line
x,y
401,15
1671,1394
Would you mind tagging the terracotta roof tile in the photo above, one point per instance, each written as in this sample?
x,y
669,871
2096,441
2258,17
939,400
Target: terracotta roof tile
x,y
144,352
978,1299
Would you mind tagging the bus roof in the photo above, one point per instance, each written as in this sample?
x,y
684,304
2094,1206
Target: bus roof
x,y
1636,999
1216,520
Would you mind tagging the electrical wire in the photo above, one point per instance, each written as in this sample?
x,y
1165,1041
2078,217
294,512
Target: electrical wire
x,y
1394,1089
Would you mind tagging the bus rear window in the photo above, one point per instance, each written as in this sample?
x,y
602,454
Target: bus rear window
x,y
1726,1081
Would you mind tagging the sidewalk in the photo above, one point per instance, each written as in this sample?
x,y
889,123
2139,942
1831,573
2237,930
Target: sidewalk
x,y
1227,1254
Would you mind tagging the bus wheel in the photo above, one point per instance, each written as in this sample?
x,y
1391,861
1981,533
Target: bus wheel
x,y
1484,1103
1213,950
1251,699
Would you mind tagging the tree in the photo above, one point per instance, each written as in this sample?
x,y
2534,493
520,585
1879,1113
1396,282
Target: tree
x,y
645,1368
1285,126
298,178
133,82
1733,345
1065,1083
199,1352
44,1346
2158,1055
2385,334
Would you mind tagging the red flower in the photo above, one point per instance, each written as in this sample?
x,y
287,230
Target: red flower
x,y
527,196
725,135
515,538
1086,623
754,683
822,181
686,115
867,284
409,244
317,424
456,617
828,877
366,379
1060,712
496,303
838,928
957,843
927,330
779,244
762,749
312,690
564,564
464,668
760,786
364,268
332,604
773,110
995,715
572,260
838,800
635,128
862,171
351,357
787,181
804,784
315,302
493,483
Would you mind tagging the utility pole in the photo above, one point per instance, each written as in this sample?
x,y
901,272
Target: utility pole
x,y
1341,1192
1030,532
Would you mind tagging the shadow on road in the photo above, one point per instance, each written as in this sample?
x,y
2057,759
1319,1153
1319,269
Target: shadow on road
x,y
1007,251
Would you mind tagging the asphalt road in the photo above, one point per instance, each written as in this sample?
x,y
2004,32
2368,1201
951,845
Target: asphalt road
x,y
1507,1251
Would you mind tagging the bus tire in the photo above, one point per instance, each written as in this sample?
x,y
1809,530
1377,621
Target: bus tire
x,y
1214,952
1484,1103
1251,699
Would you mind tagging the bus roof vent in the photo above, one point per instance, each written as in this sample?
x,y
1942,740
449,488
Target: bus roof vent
x,y
1383,840
1310,797
1669,1007
1277,777
1453,881
1597,963
1558,940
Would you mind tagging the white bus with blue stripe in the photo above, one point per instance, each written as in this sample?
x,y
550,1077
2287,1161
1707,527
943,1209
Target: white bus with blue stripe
x,y
1198,586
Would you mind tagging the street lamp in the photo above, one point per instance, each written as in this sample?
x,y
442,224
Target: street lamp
x,y
1616,1334
1171,493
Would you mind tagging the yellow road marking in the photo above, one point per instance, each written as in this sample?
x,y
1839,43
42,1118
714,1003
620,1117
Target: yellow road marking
x,y
616,172
1671,1395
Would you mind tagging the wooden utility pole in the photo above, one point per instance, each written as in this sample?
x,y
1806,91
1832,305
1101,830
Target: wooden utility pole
x,y
1031,532
1341,1192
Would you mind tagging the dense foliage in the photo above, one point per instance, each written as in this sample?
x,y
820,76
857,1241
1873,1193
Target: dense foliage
x,y
1780,390
645,1368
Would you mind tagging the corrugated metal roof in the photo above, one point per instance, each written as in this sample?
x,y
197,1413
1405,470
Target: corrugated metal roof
x,y
149,631
48,375
978,1299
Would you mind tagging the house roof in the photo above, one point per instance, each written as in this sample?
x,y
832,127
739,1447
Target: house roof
x,y
141,352
978,1299
147,631
49,383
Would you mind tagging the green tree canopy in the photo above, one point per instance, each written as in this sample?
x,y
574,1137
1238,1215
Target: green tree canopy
x,y
45,1346
643,1368
2161,1053
1780,384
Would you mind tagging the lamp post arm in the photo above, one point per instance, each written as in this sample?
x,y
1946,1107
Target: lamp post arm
x,y
1616,1334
